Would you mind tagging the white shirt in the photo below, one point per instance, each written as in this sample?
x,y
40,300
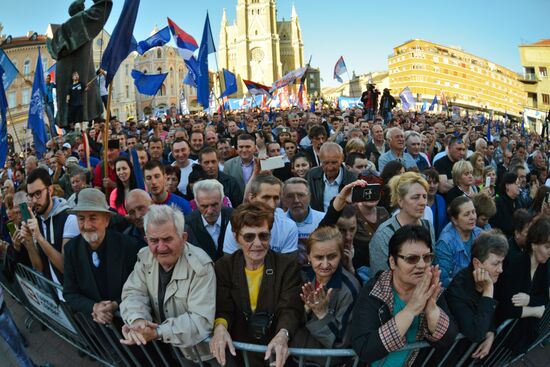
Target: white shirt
x,y
185,171
213,229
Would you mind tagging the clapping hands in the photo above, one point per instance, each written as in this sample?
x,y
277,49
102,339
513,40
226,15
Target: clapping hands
x,y
316,300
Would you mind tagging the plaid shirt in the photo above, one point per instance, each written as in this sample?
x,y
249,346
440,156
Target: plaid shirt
x,y
388,332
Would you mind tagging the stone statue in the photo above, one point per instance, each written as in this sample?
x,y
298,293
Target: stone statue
x,y
71,44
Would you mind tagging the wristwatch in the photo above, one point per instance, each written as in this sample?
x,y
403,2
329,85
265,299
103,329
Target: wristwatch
x,y
285,331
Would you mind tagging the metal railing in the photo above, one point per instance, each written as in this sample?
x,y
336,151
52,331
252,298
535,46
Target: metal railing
x,y
102,342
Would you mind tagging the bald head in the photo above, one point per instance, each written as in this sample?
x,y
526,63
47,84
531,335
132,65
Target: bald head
x,y
137,204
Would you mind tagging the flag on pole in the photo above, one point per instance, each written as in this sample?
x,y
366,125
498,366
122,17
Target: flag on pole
x,y
339,69
192,72
256,88
523,121
183,103
185,42
10,71
207,47
3,121
230,81
138,173
51,72
120,45
489,137
86,144
444,100
288,78
424,107
158,39
434,102
36,110
148,84
407,99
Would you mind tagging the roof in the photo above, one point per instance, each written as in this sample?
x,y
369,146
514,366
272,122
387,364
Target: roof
x,y
541,43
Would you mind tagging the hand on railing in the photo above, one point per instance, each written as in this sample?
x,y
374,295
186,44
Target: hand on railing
x,y
221,340
485,347
103,312
279,346
140,332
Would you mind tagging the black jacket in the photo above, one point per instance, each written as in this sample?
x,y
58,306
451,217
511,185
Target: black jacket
x,y
231,188
474,314
80,289
199,236
504,217
374,337
317,185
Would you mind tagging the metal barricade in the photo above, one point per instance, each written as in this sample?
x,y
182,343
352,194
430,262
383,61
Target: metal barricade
x,y
39,296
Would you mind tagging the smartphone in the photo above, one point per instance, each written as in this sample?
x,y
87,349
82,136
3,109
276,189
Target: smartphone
x,y
11,228
369,192
487,181
25,211
272,163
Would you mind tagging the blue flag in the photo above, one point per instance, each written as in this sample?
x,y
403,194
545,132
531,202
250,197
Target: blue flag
x,y
148,84
192,72
121,42
407,99
36,109
489,137
10,71
230,83
160,38
3,121
138,173
424,107
207,47
434,102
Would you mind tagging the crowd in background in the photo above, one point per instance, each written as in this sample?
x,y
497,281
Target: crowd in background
x,y
180,234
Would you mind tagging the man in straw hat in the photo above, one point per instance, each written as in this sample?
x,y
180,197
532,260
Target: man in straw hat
x,y
98,261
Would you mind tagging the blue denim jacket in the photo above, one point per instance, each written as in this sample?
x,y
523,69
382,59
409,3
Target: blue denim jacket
x,y
451,254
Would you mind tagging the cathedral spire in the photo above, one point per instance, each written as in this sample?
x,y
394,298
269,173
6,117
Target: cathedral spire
x,y
224,18
293,13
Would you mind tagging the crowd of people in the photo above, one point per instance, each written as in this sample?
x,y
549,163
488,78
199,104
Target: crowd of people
x,y
181,235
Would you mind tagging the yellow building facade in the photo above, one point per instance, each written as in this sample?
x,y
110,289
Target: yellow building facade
x,y
257,46
467,81
535,59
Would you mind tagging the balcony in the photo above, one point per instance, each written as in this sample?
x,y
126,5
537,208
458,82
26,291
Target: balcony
x,y
528,78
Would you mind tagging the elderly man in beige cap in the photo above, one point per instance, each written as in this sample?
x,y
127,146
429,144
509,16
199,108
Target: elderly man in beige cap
x,y
98,261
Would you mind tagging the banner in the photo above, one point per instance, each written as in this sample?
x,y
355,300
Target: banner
x,y
349,102
288,78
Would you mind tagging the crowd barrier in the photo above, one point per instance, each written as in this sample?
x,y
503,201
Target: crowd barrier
x,y
39,296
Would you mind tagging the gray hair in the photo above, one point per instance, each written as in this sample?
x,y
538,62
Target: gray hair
x,y
138,193
161,214
295,181
331,145
208,186
412,134
480,142
19,198
391,132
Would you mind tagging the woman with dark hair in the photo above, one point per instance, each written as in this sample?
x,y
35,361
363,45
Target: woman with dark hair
x,y
436,202
125,182
391,169
173,176
403,304
454,247
522,292
258,292
329,292
506,204
470,295
300,165
522,222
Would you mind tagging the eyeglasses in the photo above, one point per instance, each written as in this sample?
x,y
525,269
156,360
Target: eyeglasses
x,y
37,194
415,259
250,237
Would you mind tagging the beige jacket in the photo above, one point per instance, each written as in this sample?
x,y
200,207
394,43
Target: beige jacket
x,y
189,302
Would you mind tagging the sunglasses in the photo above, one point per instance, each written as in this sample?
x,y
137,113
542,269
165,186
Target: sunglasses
x,y
415,259
250,237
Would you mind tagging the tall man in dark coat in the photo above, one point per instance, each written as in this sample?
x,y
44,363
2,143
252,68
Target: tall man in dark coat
x,y
71,44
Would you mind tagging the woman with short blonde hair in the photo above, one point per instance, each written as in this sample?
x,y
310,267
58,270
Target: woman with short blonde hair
x,y
463,178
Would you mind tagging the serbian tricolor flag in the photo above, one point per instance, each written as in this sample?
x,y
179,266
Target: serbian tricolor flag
x,y
443,100
51,73
86,149
339,69
186,43
256,88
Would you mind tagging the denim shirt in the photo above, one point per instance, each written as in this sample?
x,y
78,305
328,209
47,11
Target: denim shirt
x,y
451,253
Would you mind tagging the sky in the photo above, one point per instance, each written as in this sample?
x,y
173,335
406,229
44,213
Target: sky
x,y
364,32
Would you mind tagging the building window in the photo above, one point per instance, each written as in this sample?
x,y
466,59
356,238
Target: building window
x,y
127,91
11,99
26,96
159,53
543,72
545,98
27,67
126,69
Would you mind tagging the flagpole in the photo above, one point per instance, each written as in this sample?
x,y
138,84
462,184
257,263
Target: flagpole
x,y
14,130
106,135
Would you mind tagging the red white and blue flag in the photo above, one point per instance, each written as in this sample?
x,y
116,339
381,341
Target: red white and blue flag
x,y
443,100
339,69
256,88
51,73
186,43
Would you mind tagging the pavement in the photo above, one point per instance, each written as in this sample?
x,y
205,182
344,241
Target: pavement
x,y
44,345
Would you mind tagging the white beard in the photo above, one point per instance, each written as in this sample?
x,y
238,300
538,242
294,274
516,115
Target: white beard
x,y
90,237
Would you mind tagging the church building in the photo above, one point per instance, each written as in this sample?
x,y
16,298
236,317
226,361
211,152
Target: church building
x,y
257,46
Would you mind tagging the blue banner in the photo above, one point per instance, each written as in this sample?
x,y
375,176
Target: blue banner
x,y
349,102
36,110
10,71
